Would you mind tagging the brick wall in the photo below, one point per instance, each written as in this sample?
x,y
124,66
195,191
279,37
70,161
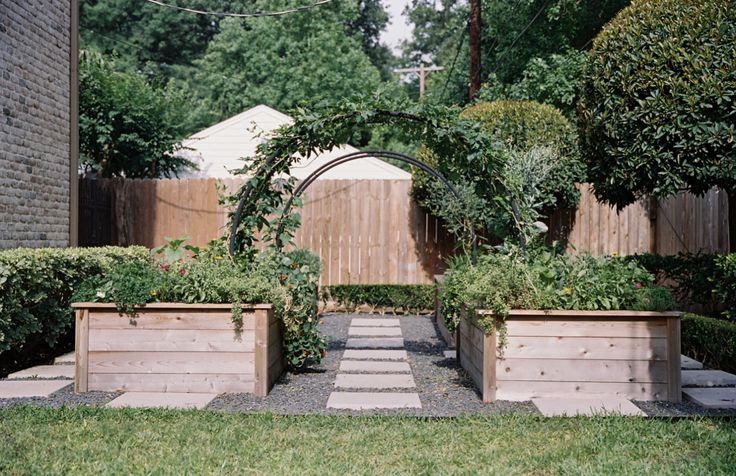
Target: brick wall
x,y
35,157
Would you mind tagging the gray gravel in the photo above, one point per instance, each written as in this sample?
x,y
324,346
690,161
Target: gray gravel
x,y
63,397
443,388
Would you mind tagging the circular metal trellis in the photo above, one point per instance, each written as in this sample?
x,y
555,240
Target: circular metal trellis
x,y
332,164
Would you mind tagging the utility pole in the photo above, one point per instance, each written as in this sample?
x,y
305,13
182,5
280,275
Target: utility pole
x,y
422,71
474,83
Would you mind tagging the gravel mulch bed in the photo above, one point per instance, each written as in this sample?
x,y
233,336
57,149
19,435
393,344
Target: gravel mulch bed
x,y
443,387
63,397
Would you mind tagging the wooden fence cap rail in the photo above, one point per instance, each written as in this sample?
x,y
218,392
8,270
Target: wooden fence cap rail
x,y
170,305
567,314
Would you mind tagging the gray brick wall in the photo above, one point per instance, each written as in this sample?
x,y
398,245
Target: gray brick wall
x,y
34,123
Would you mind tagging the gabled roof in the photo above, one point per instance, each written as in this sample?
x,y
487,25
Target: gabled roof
x,y
219,148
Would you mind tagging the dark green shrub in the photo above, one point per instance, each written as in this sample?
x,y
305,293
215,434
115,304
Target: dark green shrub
x,y
657,111
36,286
725,285
409,297
523,125
711,341
689,276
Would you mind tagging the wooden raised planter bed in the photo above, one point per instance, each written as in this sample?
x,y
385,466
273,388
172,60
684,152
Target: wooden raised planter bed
x,y
172,347
565,354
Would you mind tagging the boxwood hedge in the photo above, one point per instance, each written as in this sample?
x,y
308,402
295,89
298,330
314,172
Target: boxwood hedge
x,y
36,287
711,341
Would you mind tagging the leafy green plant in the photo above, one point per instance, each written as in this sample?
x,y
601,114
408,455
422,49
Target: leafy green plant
x,y
691,277
725,286
409,297
542,278
36,287
711,341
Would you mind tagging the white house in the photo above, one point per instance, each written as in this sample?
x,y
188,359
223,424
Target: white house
x,y
220,148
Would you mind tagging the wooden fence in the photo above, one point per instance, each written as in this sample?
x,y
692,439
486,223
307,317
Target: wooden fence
x,y
679,224
365,231
370,231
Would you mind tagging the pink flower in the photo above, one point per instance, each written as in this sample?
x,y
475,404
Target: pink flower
x,y
183,272
637,285
164,266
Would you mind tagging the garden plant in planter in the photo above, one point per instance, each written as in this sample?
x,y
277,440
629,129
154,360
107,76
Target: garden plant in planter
x,y
542,324
203,323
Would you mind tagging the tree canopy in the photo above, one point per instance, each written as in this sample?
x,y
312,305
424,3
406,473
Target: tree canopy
x,y
658,106
127,127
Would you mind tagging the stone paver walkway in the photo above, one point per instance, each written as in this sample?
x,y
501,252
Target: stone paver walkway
x,y
366,366
586,406
162,400
708,388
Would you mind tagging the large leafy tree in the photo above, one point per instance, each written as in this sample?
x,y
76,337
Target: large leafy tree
x,y
127,127
284,61
522,38
658,106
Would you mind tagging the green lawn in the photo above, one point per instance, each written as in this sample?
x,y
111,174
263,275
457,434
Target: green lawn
x,y
93,441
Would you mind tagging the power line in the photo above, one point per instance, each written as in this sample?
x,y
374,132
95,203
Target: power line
x,y
518,37
238,15
454,60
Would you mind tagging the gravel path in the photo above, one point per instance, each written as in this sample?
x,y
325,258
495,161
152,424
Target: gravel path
x,y
444,388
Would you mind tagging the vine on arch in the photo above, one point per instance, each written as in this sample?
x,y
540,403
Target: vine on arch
x,y
328,125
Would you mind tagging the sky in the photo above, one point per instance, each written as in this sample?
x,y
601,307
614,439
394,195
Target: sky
x,y
397,29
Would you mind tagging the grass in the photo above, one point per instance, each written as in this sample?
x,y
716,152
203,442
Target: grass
x,y
99,441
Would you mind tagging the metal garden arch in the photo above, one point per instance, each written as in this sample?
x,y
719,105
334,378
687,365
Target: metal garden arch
x,y
332,164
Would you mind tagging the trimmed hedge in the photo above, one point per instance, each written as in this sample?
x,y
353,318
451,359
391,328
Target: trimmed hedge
x,y
711,341
36,286
409,297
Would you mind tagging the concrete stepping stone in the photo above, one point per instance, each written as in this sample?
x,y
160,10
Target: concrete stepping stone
x,y
66,359
370,322
375,343
30,388
356,354
707,378
686,363
450,354
372,401
716,397
375,331
373,366
586,406
374,381
162,400
45,371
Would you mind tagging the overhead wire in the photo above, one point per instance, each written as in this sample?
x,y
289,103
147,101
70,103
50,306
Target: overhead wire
x,y
518,37
239,15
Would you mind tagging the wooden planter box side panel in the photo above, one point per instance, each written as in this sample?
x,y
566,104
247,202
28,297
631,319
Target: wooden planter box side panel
x,y
177,349
632,357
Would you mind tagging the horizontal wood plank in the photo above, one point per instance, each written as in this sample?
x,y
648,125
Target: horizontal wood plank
x,y
587,328
582,370
599,348
194,383
569,314
172,362
170,340
525,390
170,320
